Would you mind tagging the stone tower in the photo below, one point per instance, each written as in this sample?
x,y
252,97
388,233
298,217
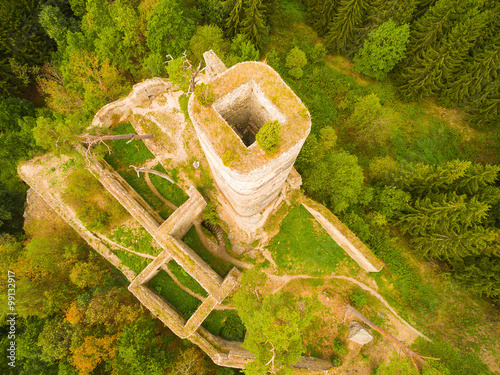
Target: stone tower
x,y
247,96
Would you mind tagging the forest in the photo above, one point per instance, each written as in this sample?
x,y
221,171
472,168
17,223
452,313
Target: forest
x,y
404,149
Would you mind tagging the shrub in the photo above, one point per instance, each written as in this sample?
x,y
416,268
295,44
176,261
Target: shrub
x,y
318,53
338,346
210,215
336,361
358,298
268,137
229,157
295,61
205,94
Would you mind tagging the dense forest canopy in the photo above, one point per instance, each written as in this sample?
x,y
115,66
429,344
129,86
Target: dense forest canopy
x,y
378,78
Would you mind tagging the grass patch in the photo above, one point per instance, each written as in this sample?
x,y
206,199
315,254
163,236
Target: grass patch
x,y
93,204
225,323
132,261
123,154
169,191
140,185
185,279
218,265
137,239
166,287
302,246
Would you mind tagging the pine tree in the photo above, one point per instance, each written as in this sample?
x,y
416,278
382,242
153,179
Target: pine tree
x,y
480,274
450,212
350,15
434,67
422,179
476,178
321,13
477,72
234,21
456,244
484,109
253,24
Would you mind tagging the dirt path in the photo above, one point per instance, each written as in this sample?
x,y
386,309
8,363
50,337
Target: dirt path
x,y
284,280
157,193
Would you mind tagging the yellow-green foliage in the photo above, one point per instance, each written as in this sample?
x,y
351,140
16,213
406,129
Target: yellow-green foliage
x,y
268,137
94,206
229,157
205,94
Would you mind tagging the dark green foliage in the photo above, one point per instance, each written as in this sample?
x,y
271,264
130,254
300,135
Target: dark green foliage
x,y
480,274
163,284
205,94
235,18
390,201
437,64
268,137
302,247
218,265
253,25
383,49
178,75
358,299
241,50
24,45
321,13
186,280
225,323
350,16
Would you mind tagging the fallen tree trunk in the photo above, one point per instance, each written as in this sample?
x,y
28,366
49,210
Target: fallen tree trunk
x,y
96,138
415,357
152,171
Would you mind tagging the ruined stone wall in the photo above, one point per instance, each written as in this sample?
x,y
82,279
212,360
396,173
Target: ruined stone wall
x,y
118,111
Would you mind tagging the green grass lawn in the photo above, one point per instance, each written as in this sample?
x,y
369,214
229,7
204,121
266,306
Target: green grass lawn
x,y
225,323
169,191
137,239
186,280
163,284
193,241
302,246
124,154
134,262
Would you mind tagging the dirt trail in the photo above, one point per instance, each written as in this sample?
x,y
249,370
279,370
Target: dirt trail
x,y
157,193
284,280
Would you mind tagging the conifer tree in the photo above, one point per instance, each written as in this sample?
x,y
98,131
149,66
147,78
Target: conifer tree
x,y
253,24
456,244
350,15
433,67
475,74
484,109
321,13
234,21
476,178
443,212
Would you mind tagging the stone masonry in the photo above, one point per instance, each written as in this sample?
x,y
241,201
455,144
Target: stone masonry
x,y
248,95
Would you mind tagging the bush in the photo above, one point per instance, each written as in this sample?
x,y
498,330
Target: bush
x,y
358,298
268,137
318,53
210,215
338,346
229,157
336,361
295,61
204,94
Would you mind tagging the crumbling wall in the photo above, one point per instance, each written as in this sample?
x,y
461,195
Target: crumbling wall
x,y
118,111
